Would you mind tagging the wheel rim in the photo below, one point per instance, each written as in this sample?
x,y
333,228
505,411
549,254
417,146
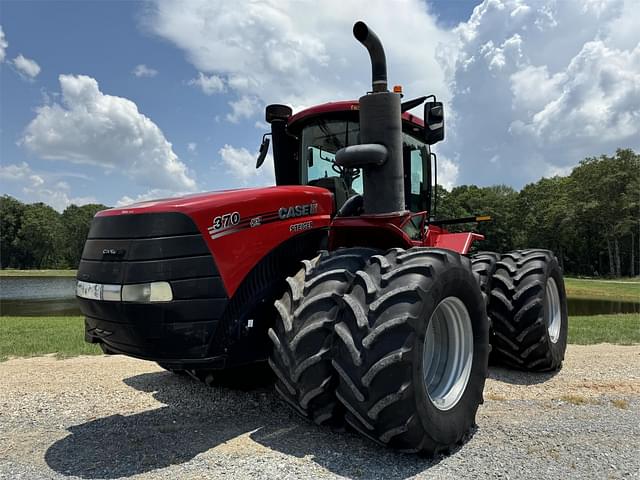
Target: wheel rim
x,y
553,316
448,353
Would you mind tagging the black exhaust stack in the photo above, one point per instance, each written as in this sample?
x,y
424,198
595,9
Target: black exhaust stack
x,y
380,152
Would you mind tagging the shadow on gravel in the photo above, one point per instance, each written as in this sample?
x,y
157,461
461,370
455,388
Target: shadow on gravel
x,y
518,377
197,418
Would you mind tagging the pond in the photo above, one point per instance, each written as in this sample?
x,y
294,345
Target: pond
x,y
45,296
38,296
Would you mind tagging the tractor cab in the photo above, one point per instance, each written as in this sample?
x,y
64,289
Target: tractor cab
x,y
305,147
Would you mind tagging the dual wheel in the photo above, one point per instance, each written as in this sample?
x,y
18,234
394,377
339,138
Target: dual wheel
x,y
527,308
395,344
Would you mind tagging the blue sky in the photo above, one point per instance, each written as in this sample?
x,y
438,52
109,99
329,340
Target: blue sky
x,y
531,87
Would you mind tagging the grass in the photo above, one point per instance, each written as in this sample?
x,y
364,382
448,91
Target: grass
x,y
11,272
64,336
578,399
619,290
621,329
32,336
620,403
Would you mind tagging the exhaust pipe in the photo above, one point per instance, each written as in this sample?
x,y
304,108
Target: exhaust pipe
x,y
378,59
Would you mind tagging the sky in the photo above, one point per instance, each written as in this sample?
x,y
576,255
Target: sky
x,y
115,102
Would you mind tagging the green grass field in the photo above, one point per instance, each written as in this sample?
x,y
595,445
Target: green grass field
x,y
64,336
620,290
10,272
621,329
32,336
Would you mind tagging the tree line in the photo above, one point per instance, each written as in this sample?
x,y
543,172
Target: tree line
x,y
590,219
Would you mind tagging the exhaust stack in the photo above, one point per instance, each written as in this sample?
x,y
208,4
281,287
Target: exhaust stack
x,y
380,152
378,59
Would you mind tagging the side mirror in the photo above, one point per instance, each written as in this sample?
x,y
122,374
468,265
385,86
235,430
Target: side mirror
x,y
433,122
264,148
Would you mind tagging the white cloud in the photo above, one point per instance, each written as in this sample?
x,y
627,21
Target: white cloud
x,y
241,164
41,186
90,127
245,107
143,71
208,84
26,67
277,51
539,85
192,146
3,45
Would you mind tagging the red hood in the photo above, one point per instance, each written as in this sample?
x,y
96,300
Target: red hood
x,y
222,198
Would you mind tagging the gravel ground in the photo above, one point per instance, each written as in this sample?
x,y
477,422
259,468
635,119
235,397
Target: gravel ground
x,y
111,417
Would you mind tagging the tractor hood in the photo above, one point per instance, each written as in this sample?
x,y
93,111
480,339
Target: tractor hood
x,y
239,226
196,203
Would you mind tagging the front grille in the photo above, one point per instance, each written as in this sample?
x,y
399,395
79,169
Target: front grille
x,y
128,249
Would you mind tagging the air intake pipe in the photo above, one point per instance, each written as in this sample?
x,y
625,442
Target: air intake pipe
x,y
380,152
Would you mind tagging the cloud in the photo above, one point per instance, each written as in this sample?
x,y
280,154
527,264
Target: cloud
x,y
93,128
245,107
3,45
41,186
143,71
208,84
537,86
26,67
278,52
241,164
192,146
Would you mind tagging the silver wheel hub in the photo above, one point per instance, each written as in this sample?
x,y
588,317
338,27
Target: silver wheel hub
x,y
552,313
448,353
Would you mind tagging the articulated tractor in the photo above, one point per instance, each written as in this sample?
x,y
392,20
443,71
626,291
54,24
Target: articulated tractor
x,y
341,277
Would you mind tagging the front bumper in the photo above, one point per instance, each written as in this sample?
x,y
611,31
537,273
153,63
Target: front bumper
x,y
153,247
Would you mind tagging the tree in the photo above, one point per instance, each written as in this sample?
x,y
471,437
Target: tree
x,y
76,222
11,212
40,237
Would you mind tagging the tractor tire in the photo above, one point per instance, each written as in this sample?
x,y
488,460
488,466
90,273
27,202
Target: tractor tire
x,y
484,264
411,350
303,330
528,309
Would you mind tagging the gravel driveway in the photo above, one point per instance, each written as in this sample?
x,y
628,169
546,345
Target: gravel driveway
x,y
111,417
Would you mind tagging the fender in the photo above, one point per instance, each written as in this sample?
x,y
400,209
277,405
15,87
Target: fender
x,y
241,226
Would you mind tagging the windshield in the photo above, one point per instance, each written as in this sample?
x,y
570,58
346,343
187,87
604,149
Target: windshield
x,y
320,142
322,138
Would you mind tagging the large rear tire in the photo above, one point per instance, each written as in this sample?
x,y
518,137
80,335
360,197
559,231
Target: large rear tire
x,y
303,331
484,265
528,309
411,350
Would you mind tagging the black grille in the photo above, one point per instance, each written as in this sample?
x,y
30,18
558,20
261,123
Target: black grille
x,y
127,249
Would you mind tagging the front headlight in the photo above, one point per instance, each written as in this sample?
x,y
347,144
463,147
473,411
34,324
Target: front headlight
x,y
147,292
140,292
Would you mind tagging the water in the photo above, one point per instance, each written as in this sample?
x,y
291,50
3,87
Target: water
x,y
38,296
581,306
46,296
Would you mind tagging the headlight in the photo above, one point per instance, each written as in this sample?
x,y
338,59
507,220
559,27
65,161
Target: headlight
x,y
140,292
147,292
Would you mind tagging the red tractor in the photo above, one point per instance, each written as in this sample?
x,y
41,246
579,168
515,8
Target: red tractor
x,y
389,323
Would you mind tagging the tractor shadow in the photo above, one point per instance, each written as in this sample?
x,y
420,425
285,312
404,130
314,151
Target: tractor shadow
x,y
197,418
519,377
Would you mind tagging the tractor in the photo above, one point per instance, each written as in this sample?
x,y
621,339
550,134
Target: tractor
x,y
368,311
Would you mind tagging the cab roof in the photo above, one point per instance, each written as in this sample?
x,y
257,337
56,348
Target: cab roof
x,y
344,106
